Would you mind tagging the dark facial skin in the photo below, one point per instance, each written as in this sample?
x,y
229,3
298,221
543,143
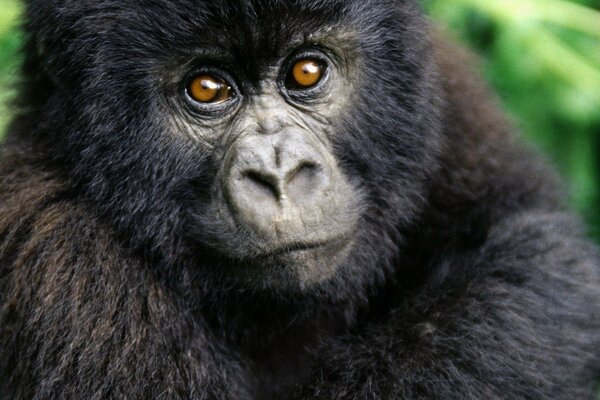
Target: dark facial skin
x,y
278,187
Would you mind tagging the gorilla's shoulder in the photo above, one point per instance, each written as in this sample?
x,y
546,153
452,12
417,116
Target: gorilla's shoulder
x,y
486,166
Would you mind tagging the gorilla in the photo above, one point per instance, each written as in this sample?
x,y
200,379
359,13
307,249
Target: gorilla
x,y
278,199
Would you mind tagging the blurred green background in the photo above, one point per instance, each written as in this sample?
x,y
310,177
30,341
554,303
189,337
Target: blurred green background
x,y
542,56
9,42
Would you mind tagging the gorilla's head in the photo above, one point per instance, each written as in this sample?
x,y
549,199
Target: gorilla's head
x,y
278,144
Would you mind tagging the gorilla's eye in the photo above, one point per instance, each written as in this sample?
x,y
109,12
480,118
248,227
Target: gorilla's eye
x,y
209,89
305,74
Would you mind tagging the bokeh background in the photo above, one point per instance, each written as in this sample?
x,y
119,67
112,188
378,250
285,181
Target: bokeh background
x,y
542,56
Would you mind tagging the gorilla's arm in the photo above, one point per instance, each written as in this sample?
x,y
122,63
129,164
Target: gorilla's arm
x,y
512,319
81,319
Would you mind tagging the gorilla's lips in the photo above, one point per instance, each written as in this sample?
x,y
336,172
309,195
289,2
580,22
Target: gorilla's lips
x,y
296,264
328,245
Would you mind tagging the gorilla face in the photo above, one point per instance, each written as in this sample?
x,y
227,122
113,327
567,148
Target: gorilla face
x,y
280,144
280,204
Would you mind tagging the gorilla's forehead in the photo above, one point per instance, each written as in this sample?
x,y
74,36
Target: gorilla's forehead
x,y
252,32
140,36
253,26
257,9
250,12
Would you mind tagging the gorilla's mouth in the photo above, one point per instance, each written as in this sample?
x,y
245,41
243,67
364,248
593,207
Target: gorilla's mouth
x,y
296,264
330,244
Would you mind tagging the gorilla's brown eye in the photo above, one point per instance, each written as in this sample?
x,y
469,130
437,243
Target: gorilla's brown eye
x,y
306,73
209,89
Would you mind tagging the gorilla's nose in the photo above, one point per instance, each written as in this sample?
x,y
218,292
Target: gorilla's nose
x,y
277,182
296,179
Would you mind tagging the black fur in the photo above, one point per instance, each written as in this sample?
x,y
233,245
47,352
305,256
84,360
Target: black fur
x,y
468,278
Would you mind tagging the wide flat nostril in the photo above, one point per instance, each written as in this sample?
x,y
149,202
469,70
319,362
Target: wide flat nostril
x,y
265,182
304,170
303,181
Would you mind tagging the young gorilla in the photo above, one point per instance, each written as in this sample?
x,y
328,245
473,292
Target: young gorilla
x,y
255,199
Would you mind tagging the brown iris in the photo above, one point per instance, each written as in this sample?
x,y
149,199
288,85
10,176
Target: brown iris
x,y
306,73
209,89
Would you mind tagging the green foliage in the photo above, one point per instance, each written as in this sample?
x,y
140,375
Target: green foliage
x,y
542,56
9,44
